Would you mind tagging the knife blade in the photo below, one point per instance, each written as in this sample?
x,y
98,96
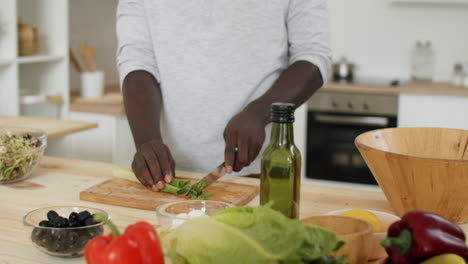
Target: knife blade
x,y
211,177
214,175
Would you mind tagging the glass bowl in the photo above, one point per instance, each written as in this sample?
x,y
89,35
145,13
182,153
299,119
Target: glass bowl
x,y
171,215
21,150
64,241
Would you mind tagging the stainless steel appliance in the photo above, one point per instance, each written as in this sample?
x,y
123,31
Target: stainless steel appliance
x,y
335,119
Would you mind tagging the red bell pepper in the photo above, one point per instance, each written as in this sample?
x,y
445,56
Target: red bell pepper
x,y
420,235
138,245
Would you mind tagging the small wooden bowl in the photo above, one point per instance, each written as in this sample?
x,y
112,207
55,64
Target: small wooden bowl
x,y
420,168
356,233
386,220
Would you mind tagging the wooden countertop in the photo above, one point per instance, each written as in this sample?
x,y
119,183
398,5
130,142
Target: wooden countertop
x,y
59,181
110,104
54,128
427,88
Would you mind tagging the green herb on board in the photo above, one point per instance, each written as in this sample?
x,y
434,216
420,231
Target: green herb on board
x,y
196,191
176,187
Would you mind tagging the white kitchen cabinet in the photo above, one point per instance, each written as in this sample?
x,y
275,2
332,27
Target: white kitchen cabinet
x,y
43,74
419,110
111,142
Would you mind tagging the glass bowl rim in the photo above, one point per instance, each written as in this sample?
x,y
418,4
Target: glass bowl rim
x,y
28,223
173,216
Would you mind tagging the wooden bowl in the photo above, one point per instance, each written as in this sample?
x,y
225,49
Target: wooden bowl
x,y
356,233
386,219
420,168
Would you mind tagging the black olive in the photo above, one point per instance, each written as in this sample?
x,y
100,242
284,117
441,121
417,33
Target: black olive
x,y
82,216
73,216
61,235
59,222
73,223
44,223
54,246
72,236
45,241
36,234
82,241
53,222
89,221
51,215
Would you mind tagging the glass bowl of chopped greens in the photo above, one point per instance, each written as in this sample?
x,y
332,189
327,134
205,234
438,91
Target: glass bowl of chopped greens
x,y
21,149
171,215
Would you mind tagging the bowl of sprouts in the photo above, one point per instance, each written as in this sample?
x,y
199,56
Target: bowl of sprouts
x,y
21,150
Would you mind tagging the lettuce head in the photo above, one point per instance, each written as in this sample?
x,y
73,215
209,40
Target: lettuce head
x,y
248,235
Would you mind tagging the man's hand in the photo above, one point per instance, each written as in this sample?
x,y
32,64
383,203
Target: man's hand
x,y
245,133
153,164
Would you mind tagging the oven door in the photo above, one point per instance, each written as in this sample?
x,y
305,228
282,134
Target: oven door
x,y
331,153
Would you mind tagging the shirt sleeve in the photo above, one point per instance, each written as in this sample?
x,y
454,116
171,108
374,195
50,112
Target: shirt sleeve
x,y
308,26
135,46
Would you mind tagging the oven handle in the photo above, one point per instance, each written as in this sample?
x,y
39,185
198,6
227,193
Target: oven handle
x,y
352,120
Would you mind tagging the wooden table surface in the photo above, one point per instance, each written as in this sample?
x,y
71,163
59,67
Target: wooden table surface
x,y
54,128
59,181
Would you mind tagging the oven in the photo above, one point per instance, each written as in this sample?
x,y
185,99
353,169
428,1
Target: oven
x,y
335,119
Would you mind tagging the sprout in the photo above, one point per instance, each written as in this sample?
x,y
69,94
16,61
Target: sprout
x,y
17,155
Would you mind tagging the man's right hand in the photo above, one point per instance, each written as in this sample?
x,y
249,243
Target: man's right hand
x,y
153,164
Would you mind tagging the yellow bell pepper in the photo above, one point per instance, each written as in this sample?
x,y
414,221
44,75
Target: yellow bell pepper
x,y
445,259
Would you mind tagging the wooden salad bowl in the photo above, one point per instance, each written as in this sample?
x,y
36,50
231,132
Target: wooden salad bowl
x,y
356,233
420,168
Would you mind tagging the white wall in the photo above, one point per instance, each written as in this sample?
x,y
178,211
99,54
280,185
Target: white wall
x,y
375,34
93,21
378,36
417,110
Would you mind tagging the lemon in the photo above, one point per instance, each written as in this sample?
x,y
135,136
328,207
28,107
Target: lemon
x,y
367,216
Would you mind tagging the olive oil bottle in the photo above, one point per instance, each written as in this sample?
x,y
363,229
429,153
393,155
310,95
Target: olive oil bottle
x,y
280,179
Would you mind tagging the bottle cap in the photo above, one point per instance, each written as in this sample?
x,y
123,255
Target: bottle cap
x,y
282,112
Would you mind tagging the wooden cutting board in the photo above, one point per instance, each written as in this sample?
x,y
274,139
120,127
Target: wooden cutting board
x,y
130,194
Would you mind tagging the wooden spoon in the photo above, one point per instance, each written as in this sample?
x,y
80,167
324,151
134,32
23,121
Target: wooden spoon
x,y
89,54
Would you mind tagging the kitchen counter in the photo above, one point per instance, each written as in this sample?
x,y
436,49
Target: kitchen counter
x,y
59,181
110,104
426,88
54,128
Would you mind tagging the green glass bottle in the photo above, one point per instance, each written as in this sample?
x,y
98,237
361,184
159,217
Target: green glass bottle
x,y
280,178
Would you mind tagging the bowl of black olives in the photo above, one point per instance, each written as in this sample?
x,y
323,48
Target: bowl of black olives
x,y
63,230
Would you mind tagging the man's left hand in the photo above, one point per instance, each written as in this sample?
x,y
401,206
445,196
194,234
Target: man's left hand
x,y
245,133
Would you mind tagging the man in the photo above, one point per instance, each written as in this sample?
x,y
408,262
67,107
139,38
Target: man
x,y
199,76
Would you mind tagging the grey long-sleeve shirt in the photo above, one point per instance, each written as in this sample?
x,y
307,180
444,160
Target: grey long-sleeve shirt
x,y
212,58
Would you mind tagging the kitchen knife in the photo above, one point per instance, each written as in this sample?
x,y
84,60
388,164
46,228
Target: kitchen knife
x,y
213,176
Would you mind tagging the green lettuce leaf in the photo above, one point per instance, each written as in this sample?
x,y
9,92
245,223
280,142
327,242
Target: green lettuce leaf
x,y
248,235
